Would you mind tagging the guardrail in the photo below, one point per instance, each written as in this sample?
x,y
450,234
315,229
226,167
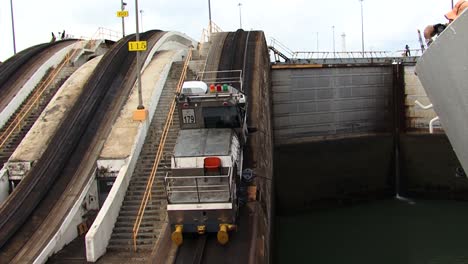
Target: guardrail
x,y
322,55
206,33
149,186
198,189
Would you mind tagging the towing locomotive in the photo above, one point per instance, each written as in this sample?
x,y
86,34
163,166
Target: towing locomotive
x,y
206,163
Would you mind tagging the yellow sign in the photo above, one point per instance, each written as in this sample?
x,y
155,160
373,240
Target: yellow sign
x,y
137,45
122,13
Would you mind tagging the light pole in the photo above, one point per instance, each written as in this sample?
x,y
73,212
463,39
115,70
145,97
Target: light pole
x,y
240,16
317,42
362,28
452,3
140,97
209,17
141,18
13,27
334,50
122,8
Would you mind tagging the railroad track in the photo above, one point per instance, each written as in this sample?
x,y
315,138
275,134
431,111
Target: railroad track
x,y
192,250
66,165
15,64
26,115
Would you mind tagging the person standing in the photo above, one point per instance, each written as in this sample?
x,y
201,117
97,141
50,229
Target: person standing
x,y
407,51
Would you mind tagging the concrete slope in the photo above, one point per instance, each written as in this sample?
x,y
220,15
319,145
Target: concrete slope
x,y
77,170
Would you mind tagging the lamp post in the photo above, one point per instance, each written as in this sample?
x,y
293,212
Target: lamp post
x,y
334,50
13,27
317,42
362,28
141,19
240,16
209,17
122,8
140,97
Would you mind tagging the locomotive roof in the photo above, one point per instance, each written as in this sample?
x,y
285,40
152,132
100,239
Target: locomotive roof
x,y
203,142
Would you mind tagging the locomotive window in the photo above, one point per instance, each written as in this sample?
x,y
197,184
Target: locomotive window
x,y
221,117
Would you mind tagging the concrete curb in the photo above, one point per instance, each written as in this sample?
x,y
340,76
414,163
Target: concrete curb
x,y
164,251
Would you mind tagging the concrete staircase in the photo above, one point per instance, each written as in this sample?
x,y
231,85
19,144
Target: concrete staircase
x,y
155,214
15,139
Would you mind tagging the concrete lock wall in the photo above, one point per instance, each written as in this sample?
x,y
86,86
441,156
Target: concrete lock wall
x,y
330,102
333,134
342,166
416,117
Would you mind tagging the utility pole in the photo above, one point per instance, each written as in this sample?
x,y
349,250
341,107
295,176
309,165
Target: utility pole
x,y
362,28
13,27
209,17
141,18
140,97
122,8
317,42
240,16
334,49
343,44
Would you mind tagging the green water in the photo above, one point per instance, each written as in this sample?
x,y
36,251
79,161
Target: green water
x,y
391,231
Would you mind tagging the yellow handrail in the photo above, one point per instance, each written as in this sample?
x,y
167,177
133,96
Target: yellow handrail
x,y
159,153
22,113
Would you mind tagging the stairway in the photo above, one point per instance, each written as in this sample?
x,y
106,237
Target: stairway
x,y
155,213
28,121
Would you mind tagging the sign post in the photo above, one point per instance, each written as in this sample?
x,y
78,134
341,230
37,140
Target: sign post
x,y
141,113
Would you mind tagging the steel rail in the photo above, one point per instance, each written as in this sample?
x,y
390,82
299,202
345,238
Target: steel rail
x,y
34,99
149,186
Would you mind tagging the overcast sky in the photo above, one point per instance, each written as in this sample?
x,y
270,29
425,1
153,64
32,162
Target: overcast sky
x,y
388,25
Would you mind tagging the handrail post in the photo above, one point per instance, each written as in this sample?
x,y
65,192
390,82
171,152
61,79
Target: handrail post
x,y
198,191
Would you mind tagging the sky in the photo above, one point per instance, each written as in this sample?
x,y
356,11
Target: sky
x,y
388,25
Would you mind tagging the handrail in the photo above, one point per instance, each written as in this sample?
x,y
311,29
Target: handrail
x,y
159,153
21,114
192,186
206,33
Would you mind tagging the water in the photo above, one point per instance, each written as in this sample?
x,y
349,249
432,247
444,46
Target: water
x,y
396,231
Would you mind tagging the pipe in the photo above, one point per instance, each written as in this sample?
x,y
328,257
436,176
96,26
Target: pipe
x,y
425,107
431,124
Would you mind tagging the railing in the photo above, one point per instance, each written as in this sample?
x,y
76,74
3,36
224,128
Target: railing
x,y
322,55
206,33
281,47
101,33
33,100
340,55
198,189
149,186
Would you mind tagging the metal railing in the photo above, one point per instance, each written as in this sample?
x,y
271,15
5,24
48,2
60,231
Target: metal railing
x,y
206,33
198,189
149,186
340,55
281,47
36,95
322,55
101,33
